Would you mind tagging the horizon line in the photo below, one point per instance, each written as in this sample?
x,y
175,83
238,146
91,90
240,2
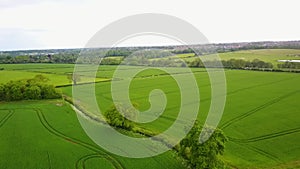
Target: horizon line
x,y
144,46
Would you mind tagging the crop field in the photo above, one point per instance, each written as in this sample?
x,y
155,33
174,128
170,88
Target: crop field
x,y
261,118
49,133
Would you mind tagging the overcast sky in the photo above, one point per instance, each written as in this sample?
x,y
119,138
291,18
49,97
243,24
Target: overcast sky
x,y
37,24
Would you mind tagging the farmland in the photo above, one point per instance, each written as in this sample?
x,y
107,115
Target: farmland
x,y
261,117
49,133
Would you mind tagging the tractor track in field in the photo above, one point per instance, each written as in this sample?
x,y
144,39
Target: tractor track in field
x,y
6,117
80,163
263,153
88,146
49,160
265,137
256,109
259,85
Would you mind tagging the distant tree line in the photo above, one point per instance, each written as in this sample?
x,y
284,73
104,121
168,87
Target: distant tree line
x,y
289,65
234,64
49,58
30,89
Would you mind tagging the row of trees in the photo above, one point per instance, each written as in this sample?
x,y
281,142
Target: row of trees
x,y
49,58
30,89
143,61
289,65
234,64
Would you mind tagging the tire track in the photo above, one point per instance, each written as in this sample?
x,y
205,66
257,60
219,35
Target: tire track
x,y
264,153
265,137
263,106
49,160
88,146
80,164
6,117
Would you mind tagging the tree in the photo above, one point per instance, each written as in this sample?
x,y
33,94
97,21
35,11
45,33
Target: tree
x,y
34,88
118,120
206,154
74,78
33,92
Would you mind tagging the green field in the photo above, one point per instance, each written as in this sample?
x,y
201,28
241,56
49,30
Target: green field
x,y
261,117
46,134
56,73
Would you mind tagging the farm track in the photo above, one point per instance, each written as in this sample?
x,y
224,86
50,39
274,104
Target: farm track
x,y
265,137
263,106
6,117
52,130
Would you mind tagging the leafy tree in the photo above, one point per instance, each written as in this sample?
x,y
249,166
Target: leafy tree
x,y
48,92
118,120
33,92
204,155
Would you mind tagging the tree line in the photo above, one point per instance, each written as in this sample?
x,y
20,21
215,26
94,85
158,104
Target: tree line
x,y
29,89
289,65
234,64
